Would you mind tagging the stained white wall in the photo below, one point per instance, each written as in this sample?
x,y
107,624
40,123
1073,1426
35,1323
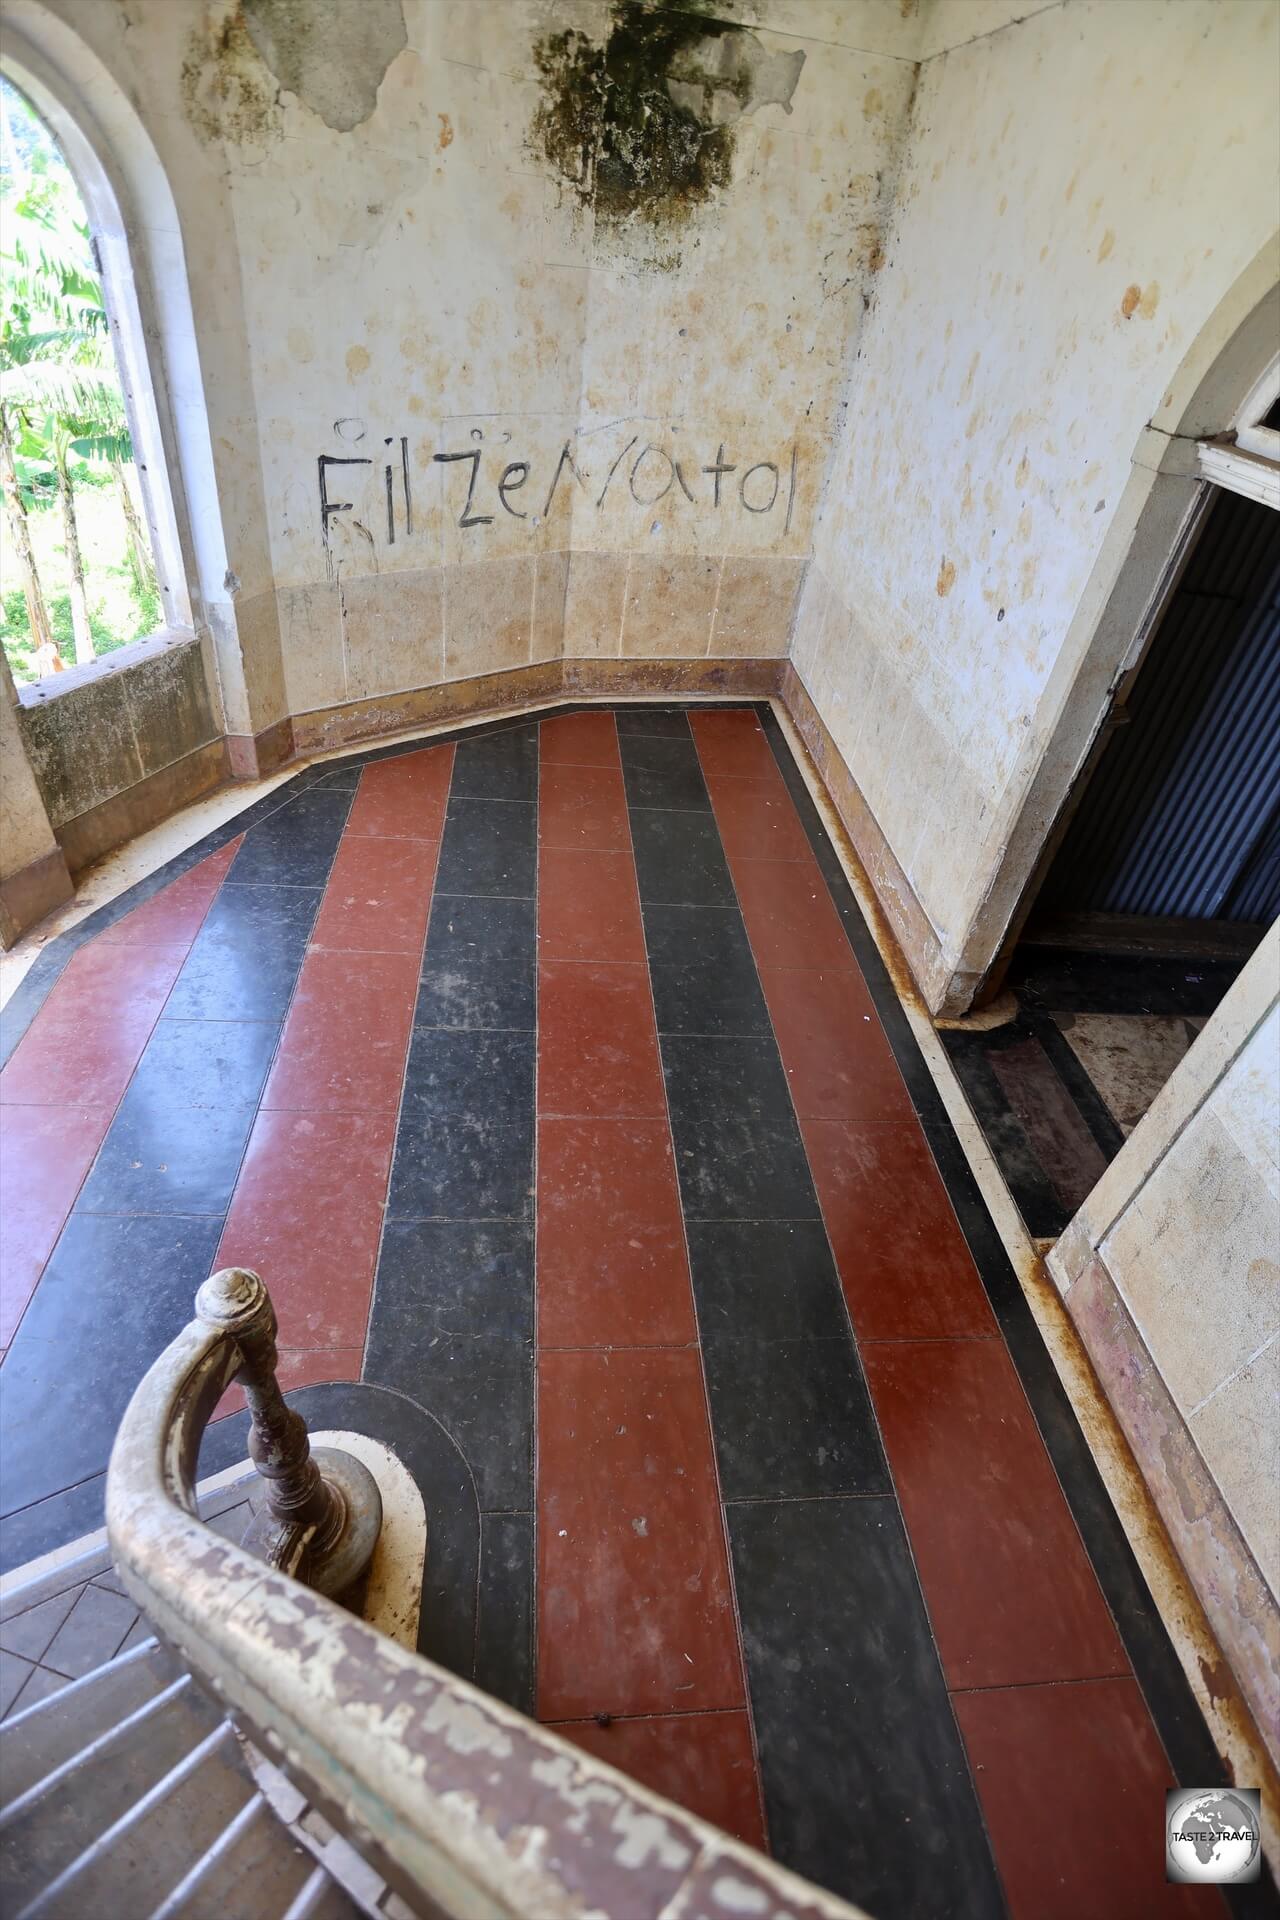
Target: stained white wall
x,y
386,266
1171,1271
1082,188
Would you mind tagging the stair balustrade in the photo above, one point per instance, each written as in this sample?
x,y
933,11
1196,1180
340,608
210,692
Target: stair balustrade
x,y
467,1809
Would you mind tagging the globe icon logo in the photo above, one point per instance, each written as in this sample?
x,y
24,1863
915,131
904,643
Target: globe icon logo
x,y
1213,1835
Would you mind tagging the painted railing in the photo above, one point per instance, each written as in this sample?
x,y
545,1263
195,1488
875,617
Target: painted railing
x,y
464,1806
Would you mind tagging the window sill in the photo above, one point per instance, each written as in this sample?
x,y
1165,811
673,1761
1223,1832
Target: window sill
x,y
56,686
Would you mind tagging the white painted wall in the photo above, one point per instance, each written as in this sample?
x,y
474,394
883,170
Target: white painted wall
x,y
1171,1271
1082,188
424,276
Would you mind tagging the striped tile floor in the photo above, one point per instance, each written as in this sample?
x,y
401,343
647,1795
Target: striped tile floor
x,y
553,1084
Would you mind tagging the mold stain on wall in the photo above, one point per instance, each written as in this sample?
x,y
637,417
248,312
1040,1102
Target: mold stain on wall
x,y
642,129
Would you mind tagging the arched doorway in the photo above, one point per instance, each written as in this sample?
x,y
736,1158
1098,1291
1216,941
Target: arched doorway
x,y
1158,865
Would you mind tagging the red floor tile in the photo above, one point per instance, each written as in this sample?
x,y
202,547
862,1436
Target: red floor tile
x,y
403,798
789,915
378,896
597,1044
702,1761
582,807
839,1064
758,821
732,744
635,1611
64,1063
612,1269
1072,1782
1006,1579
578,740
45,1153
906,1270
111,983
345,1041
173,916
1059,1135
82,1046
307,1215
301,1367
588,906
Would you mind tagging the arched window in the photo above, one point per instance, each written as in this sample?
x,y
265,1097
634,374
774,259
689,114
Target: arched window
x,y
78,567
137,256
1247,460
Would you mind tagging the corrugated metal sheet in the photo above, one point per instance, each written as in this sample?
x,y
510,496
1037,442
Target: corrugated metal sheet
x,y
1182,816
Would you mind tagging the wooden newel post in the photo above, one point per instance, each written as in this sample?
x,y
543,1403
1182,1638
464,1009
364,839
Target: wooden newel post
x,y
321,1512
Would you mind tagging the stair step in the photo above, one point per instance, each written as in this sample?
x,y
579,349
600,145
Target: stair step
x,y
43,1737
321,1898
256,1852
61,1816
137,1862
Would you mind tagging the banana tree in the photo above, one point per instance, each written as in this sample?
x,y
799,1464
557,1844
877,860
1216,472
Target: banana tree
x,y
59,391
20,532
66,415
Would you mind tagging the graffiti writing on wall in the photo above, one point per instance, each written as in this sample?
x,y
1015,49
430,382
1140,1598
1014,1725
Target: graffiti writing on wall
x,y
483,485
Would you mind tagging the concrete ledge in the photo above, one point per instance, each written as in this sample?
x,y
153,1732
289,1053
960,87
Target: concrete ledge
x,y
1241,1609
36,889
98,734
102,828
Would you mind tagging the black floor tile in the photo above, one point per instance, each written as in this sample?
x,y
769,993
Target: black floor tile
x,y
251,918
346,775
481,1392
456,1277
480,965
115,1292
462,1167
52,1522
247,956
663,772
497,766
866,1785
742,1167
295,846
206,1063
704,975
485,1075
679,859
504,1636
769,1279
489,847
670,723
1060,980
1041,1207
792,1419
713,1077
160,1157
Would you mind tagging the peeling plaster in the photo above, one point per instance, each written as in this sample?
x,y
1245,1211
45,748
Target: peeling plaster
x,y
333,57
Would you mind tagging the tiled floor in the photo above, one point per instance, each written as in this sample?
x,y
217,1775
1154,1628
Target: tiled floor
x,y
68,1624
1093,1038
552,1083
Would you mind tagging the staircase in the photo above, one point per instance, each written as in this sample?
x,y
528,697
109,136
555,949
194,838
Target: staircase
x,y
130,1793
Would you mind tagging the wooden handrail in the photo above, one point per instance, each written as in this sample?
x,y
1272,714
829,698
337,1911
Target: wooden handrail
x,y
469,1809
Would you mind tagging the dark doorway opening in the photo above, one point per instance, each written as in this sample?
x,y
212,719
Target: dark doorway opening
x,y
1164,877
